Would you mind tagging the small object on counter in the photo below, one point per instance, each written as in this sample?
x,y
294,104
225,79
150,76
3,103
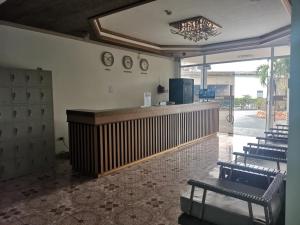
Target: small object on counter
x,y
170,103
161,89
147,99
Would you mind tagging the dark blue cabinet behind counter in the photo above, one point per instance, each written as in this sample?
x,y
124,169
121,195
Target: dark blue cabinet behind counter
x,y
181,90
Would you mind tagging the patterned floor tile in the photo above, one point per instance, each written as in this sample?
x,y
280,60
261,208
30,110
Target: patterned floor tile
x,y
146,193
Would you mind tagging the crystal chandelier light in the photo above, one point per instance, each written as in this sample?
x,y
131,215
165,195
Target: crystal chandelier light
x,y
196,28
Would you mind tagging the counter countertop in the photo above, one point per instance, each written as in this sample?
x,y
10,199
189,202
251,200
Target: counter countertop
x,y
110,115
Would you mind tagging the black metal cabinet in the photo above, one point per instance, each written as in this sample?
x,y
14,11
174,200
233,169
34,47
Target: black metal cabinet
x,y
181,90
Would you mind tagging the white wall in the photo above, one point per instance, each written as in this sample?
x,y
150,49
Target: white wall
x,y
79,78
293,181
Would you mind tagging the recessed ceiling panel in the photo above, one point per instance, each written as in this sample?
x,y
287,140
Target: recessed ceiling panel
x,y
240,19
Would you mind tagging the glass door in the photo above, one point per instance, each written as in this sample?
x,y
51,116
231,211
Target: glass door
x,y
223,86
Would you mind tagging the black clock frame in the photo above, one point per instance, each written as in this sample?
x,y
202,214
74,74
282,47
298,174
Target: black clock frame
x,y
141,64
123,62
103,61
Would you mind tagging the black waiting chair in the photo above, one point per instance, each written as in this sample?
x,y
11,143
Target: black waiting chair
x,y
261,157
280,130
250,174
275,134
266,150
273,140
282,126
222,202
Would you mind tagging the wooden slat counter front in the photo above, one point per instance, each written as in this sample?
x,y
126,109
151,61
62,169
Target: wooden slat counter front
x,y
101,141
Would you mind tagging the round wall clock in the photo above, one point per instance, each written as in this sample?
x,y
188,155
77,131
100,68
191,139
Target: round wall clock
x,y
107,58
127,62
144,64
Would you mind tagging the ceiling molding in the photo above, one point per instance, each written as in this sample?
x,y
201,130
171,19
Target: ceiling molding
x,y
190,50
255,42
127,37
233,61
123,41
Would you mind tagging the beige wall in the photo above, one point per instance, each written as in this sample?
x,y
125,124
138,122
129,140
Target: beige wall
x,y
79,78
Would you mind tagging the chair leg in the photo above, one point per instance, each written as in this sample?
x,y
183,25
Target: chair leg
x,y
250,211
191,199
203,203
221,173
278,165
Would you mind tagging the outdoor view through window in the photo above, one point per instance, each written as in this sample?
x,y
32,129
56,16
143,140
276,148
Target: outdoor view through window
x,y
248,83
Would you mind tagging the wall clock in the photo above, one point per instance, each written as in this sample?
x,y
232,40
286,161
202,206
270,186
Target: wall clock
x,y
127,62
107,58
144,64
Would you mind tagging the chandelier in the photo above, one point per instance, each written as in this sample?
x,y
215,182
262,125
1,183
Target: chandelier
x,y
196,28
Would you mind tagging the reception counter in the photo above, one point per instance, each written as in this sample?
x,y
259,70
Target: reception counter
x,y
104,140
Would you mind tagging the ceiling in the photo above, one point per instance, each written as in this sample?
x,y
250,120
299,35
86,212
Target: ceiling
x,y
63,16
240,19
143,24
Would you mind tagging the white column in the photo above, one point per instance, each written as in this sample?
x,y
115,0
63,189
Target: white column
x,y
270,109
204,74
177,67
293,180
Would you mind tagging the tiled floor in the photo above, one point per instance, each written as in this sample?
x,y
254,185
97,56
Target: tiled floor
x,y
143,194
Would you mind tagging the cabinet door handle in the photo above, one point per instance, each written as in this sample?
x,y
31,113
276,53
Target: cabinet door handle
x,y
12,77
14,113
30,129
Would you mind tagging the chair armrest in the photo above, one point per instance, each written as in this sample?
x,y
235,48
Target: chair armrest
x,y
231,193
267,146
279,140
